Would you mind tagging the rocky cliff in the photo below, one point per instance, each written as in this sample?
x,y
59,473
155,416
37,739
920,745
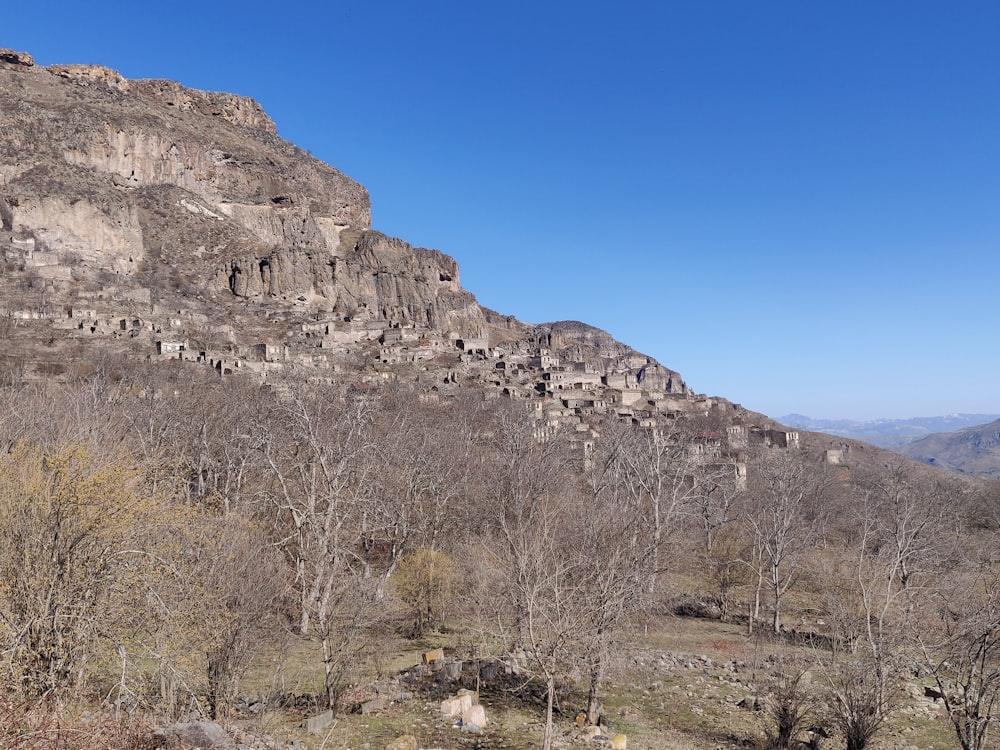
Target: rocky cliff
x,y
142,219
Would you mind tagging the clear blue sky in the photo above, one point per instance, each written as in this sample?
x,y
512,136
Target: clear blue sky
x,y
795,204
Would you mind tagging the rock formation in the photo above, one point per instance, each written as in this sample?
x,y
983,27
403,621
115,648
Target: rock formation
x,y
143,219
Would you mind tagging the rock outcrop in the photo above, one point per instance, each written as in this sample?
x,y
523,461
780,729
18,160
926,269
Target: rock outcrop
x,y
145,219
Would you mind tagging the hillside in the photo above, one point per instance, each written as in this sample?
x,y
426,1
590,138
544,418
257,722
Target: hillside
x,y
974,450
887,433
264,462
144,220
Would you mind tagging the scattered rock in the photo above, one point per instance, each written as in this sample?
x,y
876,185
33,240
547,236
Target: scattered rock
x,y
591,732
453,708
437,655
406,742
203,735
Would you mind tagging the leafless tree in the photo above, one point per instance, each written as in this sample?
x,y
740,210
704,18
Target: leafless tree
x,y
788,712
960,647
619,552
323,459
859,699
783,520
424,450
533,548
655,471
239,574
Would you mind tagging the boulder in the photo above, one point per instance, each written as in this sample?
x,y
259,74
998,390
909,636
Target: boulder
x,y
376,704
316,724
591,732
437,655
474,715
16,58
203,735
453,708
619,742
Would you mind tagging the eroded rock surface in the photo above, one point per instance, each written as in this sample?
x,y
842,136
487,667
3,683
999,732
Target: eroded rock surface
x,y
145,219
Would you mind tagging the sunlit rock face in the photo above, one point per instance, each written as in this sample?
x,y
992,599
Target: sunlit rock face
x,y
145,219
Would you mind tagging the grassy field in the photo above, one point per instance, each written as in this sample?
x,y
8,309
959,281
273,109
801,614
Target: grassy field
x,y
676,685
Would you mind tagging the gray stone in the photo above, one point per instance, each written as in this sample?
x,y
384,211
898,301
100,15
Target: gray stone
x,y
316,724
378,703
203,735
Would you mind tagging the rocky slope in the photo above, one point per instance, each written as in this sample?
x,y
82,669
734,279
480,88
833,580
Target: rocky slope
x,y
974,450
144,220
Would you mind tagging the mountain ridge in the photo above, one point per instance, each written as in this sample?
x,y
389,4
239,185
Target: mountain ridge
x,y
974,451
887,433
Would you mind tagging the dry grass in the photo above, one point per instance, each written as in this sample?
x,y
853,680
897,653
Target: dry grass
x,y
43,725
674,688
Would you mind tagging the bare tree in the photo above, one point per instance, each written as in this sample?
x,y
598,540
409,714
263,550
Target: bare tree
x,y
533,548
654,470
781,515
70,519
859,700
899,530
423,450
242,576
623,547
323,459
788,712
961,648
542,570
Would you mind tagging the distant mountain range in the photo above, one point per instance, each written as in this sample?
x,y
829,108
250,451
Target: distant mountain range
x,y
889,433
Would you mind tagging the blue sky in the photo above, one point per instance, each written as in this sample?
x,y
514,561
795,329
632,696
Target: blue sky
x,y
792,203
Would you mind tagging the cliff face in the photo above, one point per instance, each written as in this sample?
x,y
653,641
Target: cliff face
x,y
112,176
144,219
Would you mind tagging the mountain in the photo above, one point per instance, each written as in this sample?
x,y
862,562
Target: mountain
x,y
887,433
142,220
973,450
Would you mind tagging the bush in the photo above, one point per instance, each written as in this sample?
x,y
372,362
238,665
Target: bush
x,y
426,581
38,726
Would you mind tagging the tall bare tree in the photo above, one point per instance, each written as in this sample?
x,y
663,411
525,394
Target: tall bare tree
x,y
323,457
960,647
782,515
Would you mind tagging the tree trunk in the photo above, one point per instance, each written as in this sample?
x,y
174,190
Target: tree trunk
x,y
550,684
776,589
593,702
328,671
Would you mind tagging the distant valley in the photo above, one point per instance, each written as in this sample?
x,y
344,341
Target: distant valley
x,y
888,433
974,450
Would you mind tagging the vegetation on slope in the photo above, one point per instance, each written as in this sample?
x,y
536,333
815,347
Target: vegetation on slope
x,y
169,534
